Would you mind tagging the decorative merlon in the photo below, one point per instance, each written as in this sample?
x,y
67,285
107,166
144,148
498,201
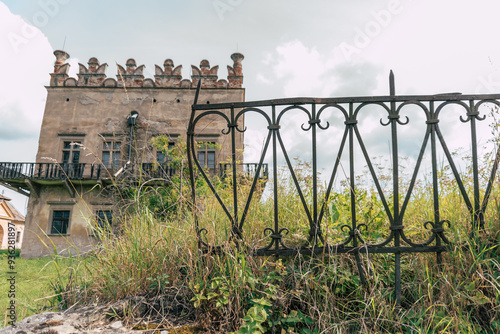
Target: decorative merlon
x,y
94,75
133,76
209,75
235,73
169,76
60,68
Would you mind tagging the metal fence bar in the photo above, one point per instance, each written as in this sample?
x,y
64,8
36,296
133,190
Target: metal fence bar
x,y
314,208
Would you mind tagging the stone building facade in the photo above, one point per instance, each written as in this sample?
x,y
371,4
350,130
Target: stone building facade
x,y
11,225
95,128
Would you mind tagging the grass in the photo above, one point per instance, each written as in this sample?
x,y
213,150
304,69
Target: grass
x,y
235,292
154,253
33,284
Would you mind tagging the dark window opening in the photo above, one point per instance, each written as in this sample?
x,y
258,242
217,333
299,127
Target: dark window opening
x,y
60,222
206,154
164,157
71,152
104,218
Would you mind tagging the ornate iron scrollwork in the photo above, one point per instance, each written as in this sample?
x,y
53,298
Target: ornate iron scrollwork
x,y
348,110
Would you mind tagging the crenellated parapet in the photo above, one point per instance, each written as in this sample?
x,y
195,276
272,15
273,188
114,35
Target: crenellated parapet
x,y
94,75
133,76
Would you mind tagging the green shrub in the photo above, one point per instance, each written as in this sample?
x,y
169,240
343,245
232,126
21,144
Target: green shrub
x,y
5,252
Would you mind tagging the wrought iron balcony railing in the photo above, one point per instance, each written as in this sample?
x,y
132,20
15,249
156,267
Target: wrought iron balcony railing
x,y
247,169
51,171
82,171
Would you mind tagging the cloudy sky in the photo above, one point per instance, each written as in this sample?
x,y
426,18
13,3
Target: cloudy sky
x,y
320,48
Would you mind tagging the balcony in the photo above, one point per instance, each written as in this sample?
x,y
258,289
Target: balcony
x,y
49,171
247,169
26,176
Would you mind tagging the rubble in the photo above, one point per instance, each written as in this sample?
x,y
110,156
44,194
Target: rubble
x,y
124,316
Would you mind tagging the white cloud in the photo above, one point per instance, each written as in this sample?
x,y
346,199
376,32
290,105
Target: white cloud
x,y
305,71
302,70
27,61
299,66
73,67
262,79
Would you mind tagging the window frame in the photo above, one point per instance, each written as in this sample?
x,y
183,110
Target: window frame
x,y
207,148
75,147
50,231
109,146
105,219
167,158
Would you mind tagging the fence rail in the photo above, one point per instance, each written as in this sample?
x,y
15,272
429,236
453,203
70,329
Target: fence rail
x,y
49,171
83,171
395,204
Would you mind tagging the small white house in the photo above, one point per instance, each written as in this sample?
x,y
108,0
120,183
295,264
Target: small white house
x,y
10,218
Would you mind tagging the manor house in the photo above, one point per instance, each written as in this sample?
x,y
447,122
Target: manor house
x,y
97,129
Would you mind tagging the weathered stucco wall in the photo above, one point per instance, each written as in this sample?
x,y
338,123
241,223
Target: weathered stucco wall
x,y
90,115
11,225
4,233
38,240
94,109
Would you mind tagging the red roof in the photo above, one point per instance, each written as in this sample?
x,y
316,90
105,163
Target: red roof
x,y
17,216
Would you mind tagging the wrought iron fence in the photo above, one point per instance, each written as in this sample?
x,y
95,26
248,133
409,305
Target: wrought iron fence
x,y
397,242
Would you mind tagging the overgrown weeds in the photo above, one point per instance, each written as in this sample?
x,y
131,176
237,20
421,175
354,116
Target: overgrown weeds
x,y
154,253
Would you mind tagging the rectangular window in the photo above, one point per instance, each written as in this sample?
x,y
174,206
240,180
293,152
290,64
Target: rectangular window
x,y
206,154
18,237
162,157
111,154
71,166
201,158
60,221
104,218
211,159
71,152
